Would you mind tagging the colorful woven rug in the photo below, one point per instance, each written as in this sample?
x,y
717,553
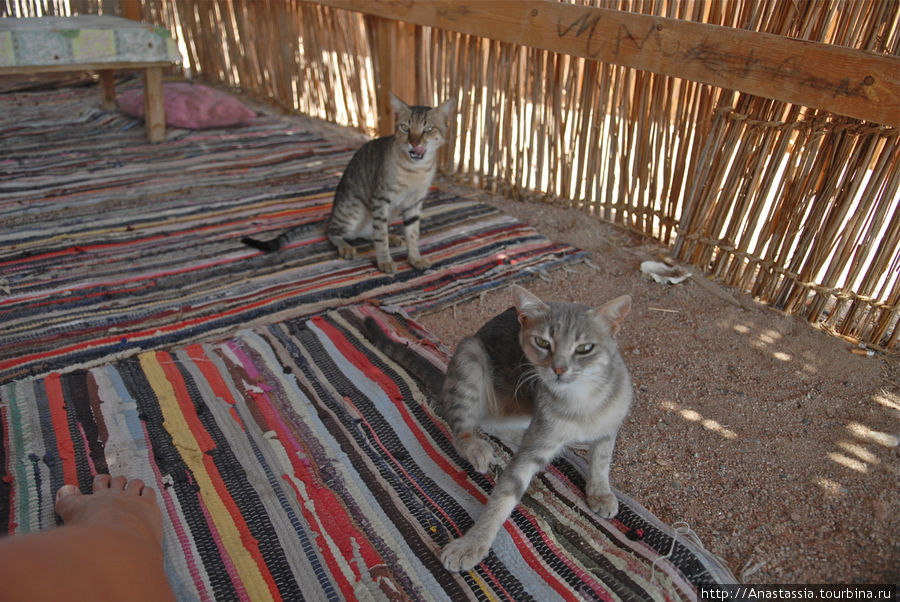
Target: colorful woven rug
x,y
296,462
111,245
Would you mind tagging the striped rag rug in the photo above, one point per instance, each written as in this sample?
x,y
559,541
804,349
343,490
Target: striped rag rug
x,y
295,461
112,245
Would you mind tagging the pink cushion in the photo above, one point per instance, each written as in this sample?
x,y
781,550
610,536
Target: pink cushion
x,y
190,106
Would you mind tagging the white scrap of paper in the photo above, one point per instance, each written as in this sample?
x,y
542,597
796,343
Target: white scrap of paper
x,y
664,274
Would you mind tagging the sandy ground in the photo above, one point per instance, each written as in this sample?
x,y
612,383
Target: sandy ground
x,y
772,440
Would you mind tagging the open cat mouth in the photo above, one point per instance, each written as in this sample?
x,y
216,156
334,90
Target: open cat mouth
x,y
417,153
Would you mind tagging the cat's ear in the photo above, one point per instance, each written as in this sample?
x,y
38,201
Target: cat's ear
x,y
398,105
447,108
614,312
528,305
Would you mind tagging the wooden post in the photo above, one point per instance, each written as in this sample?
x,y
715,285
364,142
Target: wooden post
x,y
381,38
405,51
108,89
155,119
131,9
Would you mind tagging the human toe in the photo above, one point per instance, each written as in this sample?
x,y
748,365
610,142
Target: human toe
x,y
64,498
67,490
101,481
134,486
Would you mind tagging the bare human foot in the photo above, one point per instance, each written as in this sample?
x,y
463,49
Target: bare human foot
x,y
116,503
110,539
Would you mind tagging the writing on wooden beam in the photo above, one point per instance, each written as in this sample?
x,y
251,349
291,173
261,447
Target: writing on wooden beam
x,y
846,81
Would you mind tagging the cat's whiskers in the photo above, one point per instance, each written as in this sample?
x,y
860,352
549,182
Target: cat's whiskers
x,y
528,376
600,381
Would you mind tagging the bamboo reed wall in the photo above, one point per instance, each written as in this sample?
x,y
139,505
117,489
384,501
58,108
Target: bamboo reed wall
x,y
799,207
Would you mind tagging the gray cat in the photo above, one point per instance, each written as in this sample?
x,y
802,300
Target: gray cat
x,y
385,178
551,368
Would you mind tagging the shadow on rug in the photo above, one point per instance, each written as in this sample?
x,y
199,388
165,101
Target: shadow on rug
x,y
112,245
295,461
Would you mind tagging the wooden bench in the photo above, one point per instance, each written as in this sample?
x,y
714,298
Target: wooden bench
x,y
93,43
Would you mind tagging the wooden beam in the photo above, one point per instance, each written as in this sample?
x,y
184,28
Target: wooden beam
x,y
99,66
846,81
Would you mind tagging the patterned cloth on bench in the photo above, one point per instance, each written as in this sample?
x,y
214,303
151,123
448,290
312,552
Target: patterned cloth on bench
x,y
85,39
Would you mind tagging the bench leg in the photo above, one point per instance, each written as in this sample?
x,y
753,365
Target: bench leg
x,y
153,98
108,90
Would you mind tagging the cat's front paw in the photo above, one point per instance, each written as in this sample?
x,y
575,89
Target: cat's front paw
x,y
477,451
388,266
463,554
346,251
604,504
420,263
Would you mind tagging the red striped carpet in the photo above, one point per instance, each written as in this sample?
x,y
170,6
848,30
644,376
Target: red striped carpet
x,y
111,245
296,462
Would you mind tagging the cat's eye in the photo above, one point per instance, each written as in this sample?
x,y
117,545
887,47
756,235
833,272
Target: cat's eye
x,y
542,343
404,128
584,349
429,129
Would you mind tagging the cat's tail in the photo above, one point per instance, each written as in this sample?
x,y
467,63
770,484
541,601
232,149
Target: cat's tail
x,y
429,376
266,246
283,239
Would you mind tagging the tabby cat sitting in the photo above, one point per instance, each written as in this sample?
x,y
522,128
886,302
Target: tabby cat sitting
x,y
553,368
387,177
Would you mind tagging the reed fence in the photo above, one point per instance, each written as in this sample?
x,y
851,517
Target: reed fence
x,y
786,198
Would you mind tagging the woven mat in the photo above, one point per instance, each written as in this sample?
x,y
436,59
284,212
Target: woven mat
x,y
294,461
112,245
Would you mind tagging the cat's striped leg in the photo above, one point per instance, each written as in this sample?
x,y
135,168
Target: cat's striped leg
x,y
600,497
337,228
345,250
411,220
467,399
380,217
464,553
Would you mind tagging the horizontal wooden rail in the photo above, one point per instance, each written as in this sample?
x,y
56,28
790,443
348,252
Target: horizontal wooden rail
x,y
846,81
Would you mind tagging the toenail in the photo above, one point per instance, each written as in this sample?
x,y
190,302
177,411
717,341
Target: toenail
x,y
66,490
